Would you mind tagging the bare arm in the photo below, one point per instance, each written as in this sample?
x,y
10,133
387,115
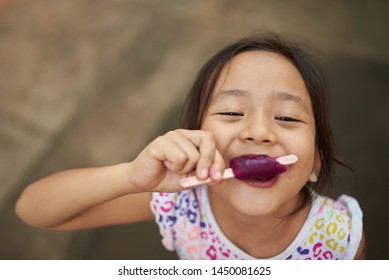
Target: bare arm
x,y
116,194
361,253
83,198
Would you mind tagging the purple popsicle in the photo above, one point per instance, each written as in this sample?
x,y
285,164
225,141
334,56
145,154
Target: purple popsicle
x,y
247,167
256,166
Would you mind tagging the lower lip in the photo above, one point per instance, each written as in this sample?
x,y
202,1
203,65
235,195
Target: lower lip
x,y
262,184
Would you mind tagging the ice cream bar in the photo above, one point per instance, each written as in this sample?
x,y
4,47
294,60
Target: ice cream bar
x,y
247,167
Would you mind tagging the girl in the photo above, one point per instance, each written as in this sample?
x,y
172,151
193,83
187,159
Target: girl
x,y
261,95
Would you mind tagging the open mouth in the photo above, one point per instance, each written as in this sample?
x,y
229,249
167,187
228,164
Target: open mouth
x,y
263,178
262,182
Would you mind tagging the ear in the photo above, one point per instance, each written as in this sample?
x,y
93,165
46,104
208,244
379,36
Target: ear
x,y
316,168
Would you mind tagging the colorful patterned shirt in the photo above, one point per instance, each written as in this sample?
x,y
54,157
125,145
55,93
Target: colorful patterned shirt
x,y
332,230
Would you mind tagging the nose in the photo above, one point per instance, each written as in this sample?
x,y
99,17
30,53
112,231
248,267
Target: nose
x,y
258,129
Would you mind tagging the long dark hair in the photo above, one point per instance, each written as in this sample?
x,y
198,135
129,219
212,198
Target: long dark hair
x,y
315,80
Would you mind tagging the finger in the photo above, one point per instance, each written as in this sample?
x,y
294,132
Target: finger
x,y
207,155
217,171
190,150
217,168
165,150
205,143
179,151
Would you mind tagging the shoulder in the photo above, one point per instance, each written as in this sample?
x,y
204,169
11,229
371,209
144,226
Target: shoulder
x,y
358,237
345,207
340,222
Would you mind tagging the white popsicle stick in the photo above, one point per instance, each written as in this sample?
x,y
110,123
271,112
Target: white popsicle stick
x,y
194,181
287,160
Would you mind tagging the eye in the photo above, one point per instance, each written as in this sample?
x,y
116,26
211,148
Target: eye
x,y
287,119
231,114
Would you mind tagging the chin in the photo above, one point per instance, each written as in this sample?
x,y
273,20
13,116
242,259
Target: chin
x,y
244,199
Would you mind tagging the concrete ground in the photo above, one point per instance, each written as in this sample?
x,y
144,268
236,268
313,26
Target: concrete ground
x,y
89,83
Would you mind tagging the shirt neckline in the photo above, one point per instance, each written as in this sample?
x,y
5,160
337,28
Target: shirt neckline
x,y
283,255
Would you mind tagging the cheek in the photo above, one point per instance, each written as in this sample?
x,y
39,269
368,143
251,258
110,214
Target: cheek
x,y
302,140
304,146
305,167
221,137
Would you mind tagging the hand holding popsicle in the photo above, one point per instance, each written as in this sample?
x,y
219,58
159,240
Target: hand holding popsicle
x,y
247,167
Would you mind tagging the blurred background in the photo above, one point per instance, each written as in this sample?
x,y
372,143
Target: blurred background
x,y
91,82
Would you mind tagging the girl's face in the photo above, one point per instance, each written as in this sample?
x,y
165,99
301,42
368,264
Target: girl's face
x,y
260,105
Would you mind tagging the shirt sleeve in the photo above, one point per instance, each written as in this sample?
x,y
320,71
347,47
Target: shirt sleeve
x,y
162,205
356,225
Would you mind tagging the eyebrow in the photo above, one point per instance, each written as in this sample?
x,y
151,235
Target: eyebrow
x,y
288,97
230,93
276,95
